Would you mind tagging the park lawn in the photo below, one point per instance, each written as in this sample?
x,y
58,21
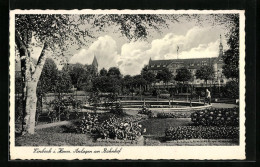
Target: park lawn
x,y
156,127
53,136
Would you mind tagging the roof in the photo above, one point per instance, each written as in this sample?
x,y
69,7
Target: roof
x,y
158,64
95,62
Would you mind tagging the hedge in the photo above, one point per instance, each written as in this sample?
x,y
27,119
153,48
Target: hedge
x,y
216,117
201,132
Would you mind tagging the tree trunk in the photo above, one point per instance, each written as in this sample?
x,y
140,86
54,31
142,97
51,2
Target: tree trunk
x,y
31,77
30,108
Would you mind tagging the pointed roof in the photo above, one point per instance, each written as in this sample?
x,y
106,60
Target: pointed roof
x,y
150,60
95,62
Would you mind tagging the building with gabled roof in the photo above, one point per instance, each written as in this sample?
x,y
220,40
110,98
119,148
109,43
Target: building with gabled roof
x,y
192,65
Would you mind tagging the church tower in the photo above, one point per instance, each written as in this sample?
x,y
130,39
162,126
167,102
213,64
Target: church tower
x,y
150,61
95,65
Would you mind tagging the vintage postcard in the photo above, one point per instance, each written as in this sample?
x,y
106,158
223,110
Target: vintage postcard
x,y
127,84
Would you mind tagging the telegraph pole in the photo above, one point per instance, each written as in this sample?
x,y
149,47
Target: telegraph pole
x,y
177,51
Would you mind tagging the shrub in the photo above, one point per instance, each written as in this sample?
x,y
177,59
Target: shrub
x,y
201,132
145,110
117,109
112,128
116,128
232,90
88,124
164,91
63,107
216,117
165,96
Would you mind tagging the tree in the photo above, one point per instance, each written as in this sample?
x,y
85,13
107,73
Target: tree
x,y
46,82
78,74
231,56
48,77
114,72
127,83
183,75
56,33
63,83
205,73
107,84
164,75
148,76
103,72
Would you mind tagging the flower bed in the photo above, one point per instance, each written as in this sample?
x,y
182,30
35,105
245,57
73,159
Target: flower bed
x,y
216,117
201,132
112,128
173,115
139,141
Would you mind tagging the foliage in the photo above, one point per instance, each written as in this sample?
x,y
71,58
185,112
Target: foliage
x,y
138,81
116,128
216,117
48,77
145,110
205,73
132,26
88,124
58,33
114,72
18,109
231,56
63,107
164,75
231,89
63,82
201,132
18,83
148,76
183,74
103,72
107,84
113,127
117,109
80,75
94,99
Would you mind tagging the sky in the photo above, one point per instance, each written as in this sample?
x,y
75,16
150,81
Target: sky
x,y
114,50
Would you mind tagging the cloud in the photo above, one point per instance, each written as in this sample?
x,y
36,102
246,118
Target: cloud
x,y
196,43
133,57
104,48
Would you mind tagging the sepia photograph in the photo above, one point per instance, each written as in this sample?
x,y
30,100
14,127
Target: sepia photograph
x,y
109,84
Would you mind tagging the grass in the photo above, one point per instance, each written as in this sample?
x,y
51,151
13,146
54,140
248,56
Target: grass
x,y
64,135
54,137
156,127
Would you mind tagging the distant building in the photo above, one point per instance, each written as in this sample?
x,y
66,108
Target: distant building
x,y
95,65
192,65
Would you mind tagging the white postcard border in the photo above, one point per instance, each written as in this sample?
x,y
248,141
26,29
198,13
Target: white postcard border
x,y
130,152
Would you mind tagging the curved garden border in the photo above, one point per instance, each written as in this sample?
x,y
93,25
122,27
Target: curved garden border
x,y
188,108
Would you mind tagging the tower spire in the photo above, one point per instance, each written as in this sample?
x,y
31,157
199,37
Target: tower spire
x,y
95,63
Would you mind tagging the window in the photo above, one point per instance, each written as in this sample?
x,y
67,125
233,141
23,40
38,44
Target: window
x,y
158,65
164,65
191,64
152,65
